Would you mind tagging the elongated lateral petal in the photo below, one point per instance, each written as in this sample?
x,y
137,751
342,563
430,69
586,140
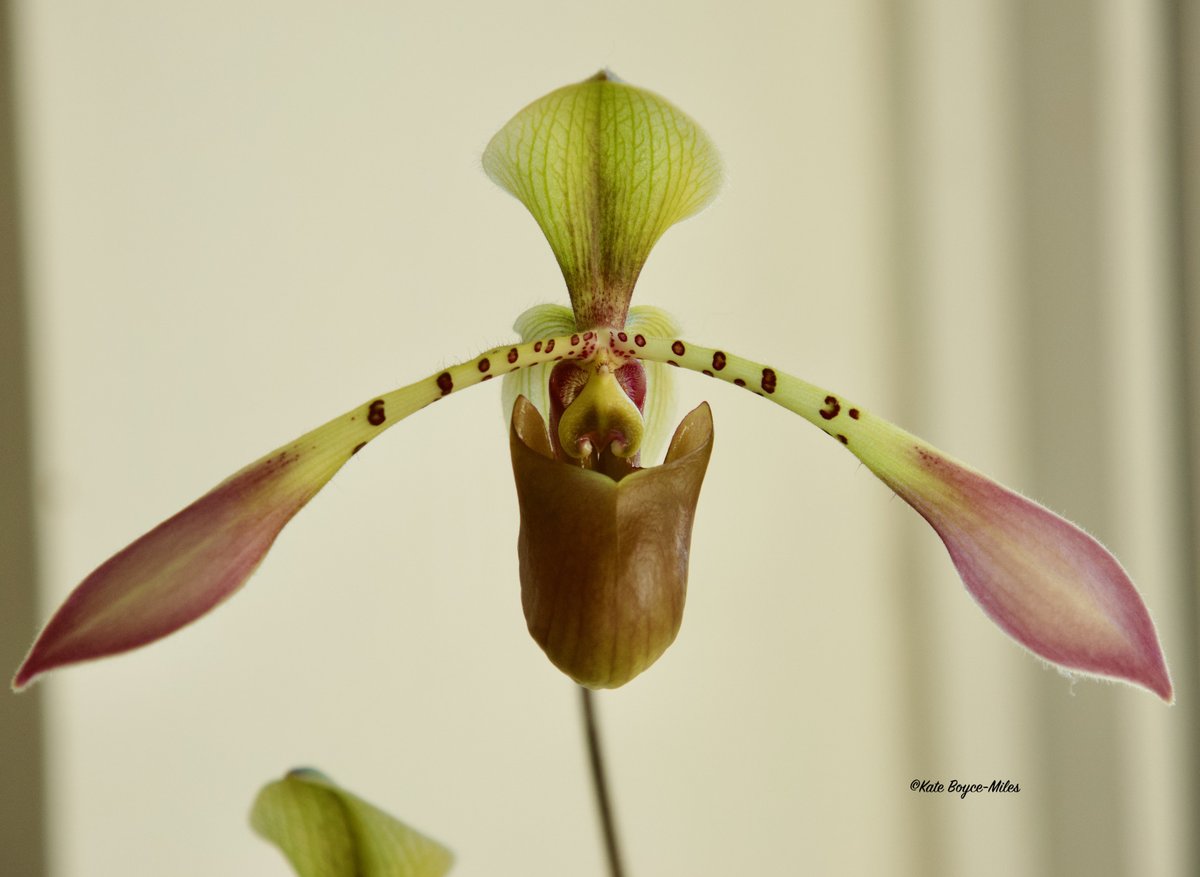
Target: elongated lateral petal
x,y
605,169
191,562
325,831
1048,584
604,562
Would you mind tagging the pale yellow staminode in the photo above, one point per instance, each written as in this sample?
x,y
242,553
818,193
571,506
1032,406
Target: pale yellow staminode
x,y
550,320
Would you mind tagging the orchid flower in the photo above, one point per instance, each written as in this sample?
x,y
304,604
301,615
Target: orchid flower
x,y
327,831
605,169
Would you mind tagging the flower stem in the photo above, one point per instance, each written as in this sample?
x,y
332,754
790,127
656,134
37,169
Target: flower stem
x,y
600,784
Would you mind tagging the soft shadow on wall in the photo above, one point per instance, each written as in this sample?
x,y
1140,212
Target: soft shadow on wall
x,y
22,837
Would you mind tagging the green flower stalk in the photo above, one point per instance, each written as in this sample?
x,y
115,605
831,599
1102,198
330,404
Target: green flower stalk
x,y
605,169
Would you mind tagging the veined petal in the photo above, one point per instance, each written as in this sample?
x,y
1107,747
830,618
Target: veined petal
x,y
605,169
1044,581
533,383
196,559
659,408
326,831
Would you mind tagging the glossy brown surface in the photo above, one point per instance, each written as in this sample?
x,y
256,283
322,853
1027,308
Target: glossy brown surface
x,y
604,562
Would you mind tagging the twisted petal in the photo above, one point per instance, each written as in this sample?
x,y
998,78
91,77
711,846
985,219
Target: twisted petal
x,y
196,559
605,169
1044,581
604,562
327,832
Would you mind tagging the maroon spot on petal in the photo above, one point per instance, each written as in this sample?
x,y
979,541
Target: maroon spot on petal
x,y
841,438
718,360
739,382
588,336
537,346
358,447
574,340
672,362
487,377
445,383
768,380
832,407
639,340
549,345
484,364
707,372
622,337
375,413
854,412
678,348
512,355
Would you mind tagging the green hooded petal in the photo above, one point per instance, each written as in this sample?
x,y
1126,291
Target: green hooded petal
x,y
605,169
324,831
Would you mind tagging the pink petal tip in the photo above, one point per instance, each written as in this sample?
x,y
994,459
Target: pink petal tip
x,y
177,572
1048,584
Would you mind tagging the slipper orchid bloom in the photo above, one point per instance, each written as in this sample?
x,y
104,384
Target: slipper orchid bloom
x,y
605,169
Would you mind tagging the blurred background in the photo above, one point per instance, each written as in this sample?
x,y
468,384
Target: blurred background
x,y
225,222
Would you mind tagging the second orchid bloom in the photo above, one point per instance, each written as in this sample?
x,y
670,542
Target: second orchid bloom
x,y
605,169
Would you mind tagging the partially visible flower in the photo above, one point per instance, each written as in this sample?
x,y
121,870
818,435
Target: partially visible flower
x,y
605,169
325,831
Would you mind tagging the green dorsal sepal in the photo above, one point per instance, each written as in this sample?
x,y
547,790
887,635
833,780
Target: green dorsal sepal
x,y
605,168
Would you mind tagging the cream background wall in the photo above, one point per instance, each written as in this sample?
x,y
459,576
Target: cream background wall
x,y
242,219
